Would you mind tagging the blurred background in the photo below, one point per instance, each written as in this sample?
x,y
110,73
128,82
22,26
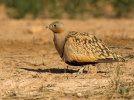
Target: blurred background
x,y
30,66
70,9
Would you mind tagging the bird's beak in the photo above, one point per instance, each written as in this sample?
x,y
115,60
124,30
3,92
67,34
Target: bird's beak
x,y
47,26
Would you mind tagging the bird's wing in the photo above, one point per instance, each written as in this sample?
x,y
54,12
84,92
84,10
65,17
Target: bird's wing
x,y
83,47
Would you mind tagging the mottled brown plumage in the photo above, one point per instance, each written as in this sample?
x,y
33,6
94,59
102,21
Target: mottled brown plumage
x,y
79,48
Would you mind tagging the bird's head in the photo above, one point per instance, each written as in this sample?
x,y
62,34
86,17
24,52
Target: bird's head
x,y
56,27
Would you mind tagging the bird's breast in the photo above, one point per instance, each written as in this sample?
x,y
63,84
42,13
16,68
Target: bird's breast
x,y
59,41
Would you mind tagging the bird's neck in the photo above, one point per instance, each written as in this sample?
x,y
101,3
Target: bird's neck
x,y
59,41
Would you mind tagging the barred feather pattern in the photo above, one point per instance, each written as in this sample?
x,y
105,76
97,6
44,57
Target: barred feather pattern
x,y
84,47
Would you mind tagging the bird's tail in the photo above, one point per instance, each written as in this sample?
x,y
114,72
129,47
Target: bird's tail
x,y
120,58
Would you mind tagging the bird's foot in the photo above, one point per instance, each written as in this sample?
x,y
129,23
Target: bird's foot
x,y
80,71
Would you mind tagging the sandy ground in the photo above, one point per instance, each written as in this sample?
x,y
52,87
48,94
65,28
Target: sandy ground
x,y
31,69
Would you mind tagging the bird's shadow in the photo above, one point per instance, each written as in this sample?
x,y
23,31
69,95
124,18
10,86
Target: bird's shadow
x,y
52,70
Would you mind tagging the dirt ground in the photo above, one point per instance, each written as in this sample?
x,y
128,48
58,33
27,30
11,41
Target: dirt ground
x,y
31,69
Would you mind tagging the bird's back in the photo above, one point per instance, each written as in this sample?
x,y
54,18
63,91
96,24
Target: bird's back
x,y
83,48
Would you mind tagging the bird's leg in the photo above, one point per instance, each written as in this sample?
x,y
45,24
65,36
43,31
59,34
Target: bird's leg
x,y
80,70
65,69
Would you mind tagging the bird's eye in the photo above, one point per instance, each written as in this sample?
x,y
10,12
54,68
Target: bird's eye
x,y
54,25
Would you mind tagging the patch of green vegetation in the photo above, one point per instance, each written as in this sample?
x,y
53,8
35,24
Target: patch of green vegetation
x,y
77,7
19,8
71,8
1,1
120,88
123,7
123,91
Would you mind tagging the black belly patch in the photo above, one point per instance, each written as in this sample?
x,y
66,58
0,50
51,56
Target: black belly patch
x,y
75,63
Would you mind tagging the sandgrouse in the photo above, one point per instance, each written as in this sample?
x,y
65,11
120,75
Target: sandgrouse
x,y
80,48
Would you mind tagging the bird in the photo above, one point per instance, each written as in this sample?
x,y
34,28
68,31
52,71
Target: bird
x,y
81,48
